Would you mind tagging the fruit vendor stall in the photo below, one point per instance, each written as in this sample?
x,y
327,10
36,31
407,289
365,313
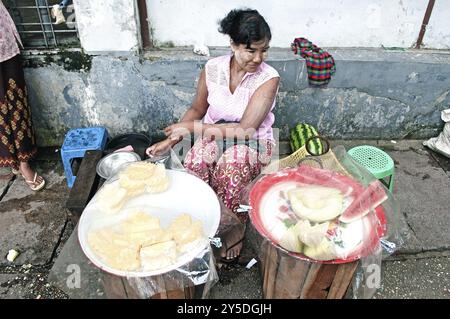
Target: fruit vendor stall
x,y
322,225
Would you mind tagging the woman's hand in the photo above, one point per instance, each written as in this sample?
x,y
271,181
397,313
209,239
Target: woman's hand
x,y
176,132
160,148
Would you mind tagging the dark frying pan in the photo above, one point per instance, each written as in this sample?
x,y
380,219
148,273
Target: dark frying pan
x,y
140,142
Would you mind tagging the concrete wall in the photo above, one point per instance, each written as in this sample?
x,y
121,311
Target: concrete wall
x,y
328,23
107,26
374,94
113,26
438,30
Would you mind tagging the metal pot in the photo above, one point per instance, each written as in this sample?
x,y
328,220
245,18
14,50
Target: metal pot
x,y
138,141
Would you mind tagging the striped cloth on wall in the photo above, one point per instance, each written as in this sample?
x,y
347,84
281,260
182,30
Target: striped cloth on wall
x,y
320,64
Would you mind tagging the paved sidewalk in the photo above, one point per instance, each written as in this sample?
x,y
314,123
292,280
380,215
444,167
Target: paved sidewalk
x,y
37,225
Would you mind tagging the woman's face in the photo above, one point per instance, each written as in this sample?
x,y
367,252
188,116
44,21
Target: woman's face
x,y
249,59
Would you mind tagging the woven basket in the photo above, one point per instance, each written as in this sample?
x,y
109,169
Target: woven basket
x,y
303,156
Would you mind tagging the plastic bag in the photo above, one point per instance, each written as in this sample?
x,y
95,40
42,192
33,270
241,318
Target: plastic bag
x,y
294,246
75,274
441,143
79,278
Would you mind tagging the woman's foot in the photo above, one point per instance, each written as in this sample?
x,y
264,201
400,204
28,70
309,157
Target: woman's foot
x,y
233,252
34,181
232,241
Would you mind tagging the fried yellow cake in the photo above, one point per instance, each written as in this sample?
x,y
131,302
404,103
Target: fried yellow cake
x,y
138,242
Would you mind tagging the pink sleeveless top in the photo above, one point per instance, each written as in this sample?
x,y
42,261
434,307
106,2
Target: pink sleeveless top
x,y
223,105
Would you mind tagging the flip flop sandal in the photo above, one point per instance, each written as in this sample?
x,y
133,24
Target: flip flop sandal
x,y
34,185
227,248
235,259
6,177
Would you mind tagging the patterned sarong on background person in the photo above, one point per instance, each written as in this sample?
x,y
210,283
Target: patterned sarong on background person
x,y
228,173
17,140
319,63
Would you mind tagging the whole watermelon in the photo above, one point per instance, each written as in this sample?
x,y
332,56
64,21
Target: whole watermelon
x,y
301,133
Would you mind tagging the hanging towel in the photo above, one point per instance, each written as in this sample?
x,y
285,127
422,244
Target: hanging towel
x,y
320,64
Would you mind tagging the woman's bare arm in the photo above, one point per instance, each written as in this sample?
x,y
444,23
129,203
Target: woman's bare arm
x,y
200,105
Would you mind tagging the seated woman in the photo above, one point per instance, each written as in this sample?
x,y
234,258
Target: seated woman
x,y
235,98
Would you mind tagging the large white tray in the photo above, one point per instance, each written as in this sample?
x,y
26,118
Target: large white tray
x,y
186,194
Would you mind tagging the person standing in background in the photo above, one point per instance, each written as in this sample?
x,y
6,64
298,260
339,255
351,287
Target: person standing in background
x,y
17,139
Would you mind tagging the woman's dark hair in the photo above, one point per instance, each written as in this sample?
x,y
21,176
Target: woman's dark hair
x,y
245,26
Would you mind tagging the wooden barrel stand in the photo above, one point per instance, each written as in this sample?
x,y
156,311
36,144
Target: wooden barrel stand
x,y
116,287
286,277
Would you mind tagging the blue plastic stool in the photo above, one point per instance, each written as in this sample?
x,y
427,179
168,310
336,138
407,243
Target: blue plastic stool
x,y
76,143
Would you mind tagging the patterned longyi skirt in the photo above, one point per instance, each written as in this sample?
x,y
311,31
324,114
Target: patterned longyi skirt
x,y
17,139
228,173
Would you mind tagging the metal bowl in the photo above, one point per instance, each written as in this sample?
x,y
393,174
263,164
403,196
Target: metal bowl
x,y
109,164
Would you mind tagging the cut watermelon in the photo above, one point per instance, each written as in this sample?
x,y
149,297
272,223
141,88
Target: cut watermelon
x,y
364,202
